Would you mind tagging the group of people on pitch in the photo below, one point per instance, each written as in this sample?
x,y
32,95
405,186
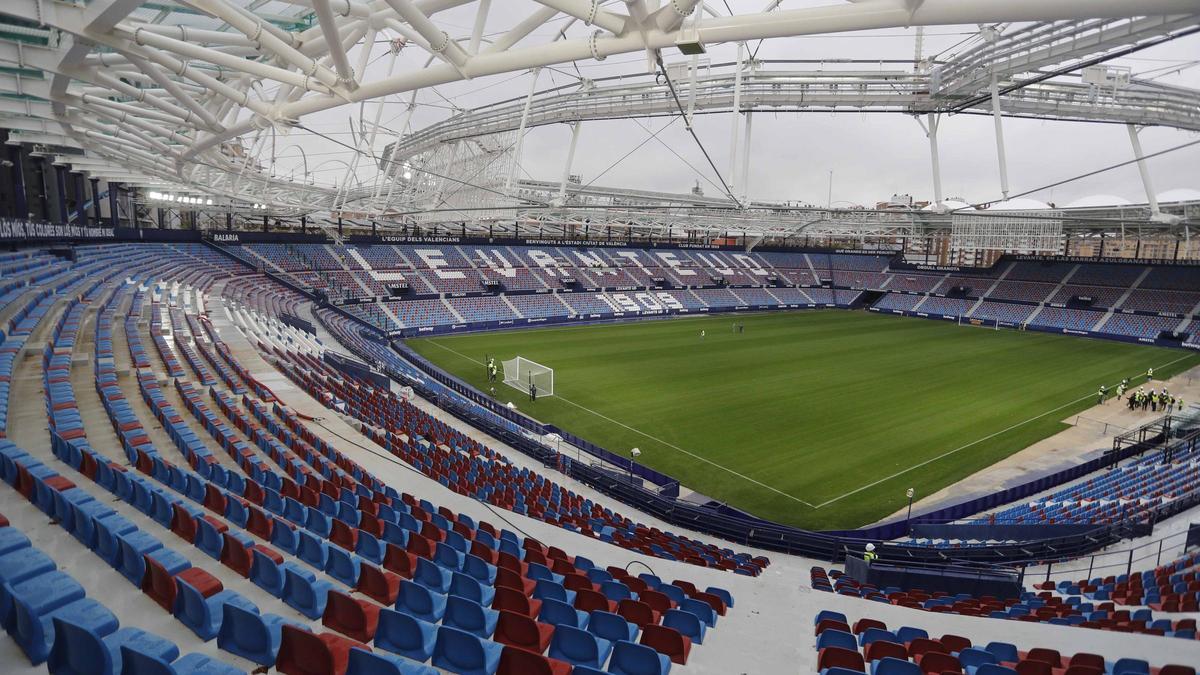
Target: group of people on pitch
x,y
1142,399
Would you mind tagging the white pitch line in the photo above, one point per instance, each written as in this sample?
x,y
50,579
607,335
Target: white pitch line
x,y
972,443
656,440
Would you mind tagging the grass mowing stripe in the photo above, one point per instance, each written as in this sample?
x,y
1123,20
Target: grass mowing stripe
x,y
653,438
814,403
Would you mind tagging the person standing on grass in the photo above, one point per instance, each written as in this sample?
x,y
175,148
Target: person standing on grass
x,y
1149,374
702,335
1100,396
532,392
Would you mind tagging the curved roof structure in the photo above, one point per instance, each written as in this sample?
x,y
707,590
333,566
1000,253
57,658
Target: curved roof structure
x,y
202,101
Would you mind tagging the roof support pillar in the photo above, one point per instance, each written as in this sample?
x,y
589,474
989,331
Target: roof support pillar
x,y
733,132
521,131
20,202
1143,170
932,122
999,137
566,172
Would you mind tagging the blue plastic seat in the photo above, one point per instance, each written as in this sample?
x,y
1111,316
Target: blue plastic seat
x,y
634,659
689,625
369,547
1003,651
78,650
612,627
203,615
447,556
406,635
470,616
547,589
419,601
307,596
617,591
725,596
343,565
835,638
363,662
675,593
33,631
701,609
1130,666
137,663
208,539
431,576
872,634
973,657
579,647
460,652
266,573
24,563
480,570
894,666
555,613
312,549
250,635
465,586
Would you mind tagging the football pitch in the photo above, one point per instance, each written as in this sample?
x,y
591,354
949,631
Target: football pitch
x,y
819,419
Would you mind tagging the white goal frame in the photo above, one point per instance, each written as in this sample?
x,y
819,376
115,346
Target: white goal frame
x,y
520,373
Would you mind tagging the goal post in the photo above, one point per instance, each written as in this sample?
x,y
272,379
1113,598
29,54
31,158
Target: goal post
x,y
521,373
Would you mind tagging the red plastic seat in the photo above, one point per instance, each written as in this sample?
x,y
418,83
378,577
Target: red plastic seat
x,y
634,612
214,499
512,600
713,601
516,661
590,601
1050,656
1028,667
667,641
510,579
354,618
862,625
938,663
259,524
829,624
518,630
660,603
400,561
182,523
921,646
839,657
236,556
158,583
305,653
955,643
379,585
882,649
343,535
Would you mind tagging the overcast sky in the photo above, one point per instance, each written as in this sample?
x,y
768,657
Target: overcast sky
x,y
872,156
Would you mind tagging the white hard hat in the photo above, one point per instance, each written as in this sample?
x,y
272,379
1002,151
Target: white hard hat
x,y
870,547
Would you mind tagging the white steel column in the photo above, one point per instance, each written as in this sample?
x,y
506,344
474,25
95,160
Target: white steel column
x,y
566,172
521,131
934,159
1144,170
999,137
481,15
733,127
746,159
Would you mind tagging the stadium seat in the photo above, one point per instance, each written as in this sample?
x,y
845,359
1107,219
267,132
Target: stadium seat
x,y
406,635
611,627
356,619
302,652
578,647
667,641
634,659
250,635
461,652
80,650
468,615
363,662
137,663
837,657
305,595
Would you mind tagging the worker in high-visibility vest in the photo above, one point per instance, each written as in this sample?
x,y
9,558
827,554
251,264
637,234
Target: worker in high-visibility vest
x,y
870,555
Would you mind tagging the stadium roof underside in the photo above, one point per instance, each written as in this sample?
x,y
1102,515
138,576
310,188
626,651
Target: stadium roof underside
x,y
174,96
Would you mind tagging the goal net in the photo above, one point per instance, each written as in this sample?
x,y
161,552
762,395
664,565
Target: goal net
x,y
520,373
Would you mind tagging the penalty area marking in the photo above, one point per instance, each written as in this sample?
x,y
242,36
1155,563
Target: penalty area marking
x,y
972,443
653,438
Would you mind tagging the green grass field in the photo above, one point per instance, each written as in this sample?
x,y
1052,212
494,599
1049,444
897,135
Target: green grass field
x,y
807,417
